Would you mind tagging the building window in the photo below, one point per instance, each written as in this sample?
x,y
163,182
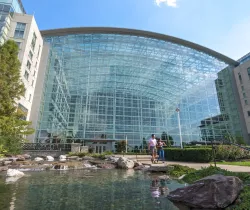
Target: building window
x,y
26,75
242,88
248,113
240,78
248,72
246,102
30,55
19,31
33,42
29,97
32,84
244,95
28,65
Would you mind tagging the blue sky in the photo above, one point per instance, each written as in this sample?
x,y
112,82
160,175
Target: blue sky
x,y
222,25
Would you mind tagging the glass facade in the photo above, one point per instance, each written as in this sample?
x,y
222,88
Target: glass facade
x,y
7,8
115,86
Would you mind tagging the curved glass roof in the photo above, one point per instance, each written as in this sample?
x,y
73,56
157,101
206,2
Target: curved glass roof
x,y
160,69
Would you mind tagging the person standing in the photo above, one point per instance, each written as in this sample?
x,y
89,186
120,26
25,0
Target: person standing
x,y
152,147
160,149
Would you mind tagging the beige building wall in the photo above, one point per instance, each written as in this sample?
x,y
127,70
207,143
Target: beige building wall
x,y
29,55
38,94
242,76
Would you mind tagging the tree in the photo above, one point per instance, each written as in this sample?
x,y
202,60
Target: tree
x,y
11,85
11,89
121,146
168,138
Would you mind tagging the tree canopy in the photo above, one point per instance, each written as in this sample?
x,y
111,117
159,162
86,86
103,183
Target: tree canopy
x,y
11,89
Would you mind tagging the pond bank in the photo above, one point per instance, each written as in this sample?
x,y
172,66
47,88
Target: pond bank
x,y
145,159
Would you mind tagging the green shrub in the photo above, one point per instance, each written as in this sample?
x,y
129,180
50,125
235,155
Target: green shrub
x,y
230,152
204,172
79,154
244,199
3,150
180,170
203,154
10,145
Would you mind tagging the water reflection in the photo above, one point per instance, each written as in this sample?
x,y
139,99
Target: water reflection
x,y
158,189
86,189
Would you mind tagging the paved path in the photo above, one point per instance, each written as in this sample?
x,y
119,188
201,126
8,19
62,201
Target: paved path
x,y
145,159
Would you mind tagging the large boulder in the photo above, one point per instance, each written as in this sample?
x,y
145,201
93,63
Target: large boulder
x,y
106,166
14,172
49,158
38,159
112,159
125,163
212,192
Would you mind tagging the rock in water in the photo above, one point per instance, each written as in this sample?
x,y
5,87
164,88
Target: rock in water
x,y
14,172
62,157
212,192
125,163
49,158
38,159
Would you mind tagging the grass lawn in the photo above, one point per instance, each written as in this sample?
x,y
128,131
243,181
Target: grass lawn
x,y
239,163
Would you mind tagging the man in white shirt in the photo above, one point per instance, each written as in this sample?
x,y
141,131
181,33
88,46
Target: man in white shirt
x,y
152,147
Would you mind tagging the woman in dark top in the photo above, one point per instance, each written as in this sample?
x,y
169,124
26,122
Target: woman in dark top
x,y
160,149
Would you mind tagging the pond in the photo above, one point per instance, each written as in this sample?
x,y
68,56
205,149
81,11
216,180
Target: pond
x,y
86,189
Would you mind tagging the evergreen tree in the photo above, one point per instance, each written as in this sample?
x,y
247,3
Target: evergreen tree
x,y
11,89
167,138
11,85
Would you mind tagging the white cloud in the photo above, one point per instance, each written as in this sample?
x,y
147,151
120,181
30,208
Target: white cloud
x,y
170,3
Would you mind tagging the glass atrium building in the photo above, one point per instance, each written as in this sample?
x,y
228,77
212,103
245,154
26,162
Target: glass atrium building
x,y
111,83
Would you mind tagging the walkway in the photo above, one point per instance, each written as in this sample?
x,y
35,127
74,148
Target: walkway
x,y
145,159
